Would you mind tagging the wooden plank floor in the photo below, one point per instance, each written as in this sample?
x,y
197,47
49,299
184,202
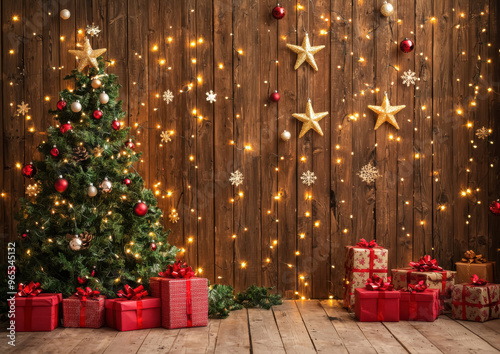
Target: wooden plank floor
x,y
295,327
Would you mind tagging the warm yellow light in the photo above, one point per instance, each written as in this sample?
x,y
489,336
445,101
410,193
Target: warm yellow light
x,y
155,48
302,235
297,253
169,39
190,239
193,60
316,224
243,264
240,51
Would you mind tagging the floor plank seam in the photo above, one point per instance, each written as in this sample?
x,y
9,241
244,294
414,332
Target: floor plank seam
x,y
396,338
468,329
175,340
307,329
278,327
334,328
249,331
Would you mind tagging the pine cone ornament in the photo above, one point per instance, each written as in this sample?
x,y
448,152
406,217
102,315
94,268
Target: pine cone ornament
x,y
471,257
84,237
80,154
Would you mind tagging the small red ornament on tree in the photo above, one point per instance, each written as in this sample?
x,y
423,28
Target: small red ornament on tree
x,y
61,184
29,170
153,246
130,144
495,207
116,125
275,96
66,127
93,273
97,114
279,12
61,104
25,235
54,151
81,280
406,45
127,182
140,209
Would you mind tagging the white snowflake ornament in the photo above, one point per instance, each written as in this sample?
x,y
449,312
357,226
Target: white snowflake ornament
x,y
211,96
22,109
409,78
483,133
168,96
368,173
165,136
93,30
236,178
308,178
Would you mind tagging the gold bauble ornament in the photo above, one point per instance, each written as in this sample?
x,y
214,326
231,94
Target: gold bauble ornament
x,y
387,9
386,113
305,53
87,56
96,83
310,120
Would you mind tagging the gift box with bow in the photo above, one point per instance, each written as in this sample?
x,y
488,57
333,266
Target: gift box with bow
x,y
36,311
363,260
377,301
184,297
473,263
476,301
419,303
133,310
84,309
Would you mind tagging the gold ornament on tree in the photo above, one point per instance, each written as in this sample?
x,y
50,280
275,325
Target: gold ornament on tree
x,y
310,120
33,189
387,9
87,56
305,53
173,216
97,151
471,257
386,112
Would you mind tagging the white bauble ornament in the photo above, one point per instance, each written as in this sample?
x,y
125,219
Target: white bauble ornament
x,y
75,244
103,98
106,185
96,83
65,14
387,9
92,191
286,135
76,106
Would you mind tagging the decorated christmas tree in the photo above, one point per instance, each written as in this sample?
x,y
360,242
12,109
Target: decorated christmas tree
x,y
88,219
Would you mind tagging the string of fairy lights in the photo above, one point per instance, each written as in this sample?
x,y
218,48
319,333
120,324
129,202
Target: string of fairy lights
x,y
476,84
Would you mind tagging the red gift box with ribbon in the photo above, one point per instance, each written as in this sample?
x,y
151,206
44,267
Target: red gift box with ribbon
x,y
377,301
363,260
133,310
85,309
184,297
419,303
476,301
35,311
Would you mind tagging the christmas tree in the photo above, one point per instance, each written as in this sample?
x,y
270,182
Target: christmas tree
x,y
88,219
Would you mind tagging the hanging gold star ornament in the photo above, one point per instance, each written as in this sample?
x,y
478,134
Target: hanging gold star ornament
x,y
305,53
87,56
310,120
386,113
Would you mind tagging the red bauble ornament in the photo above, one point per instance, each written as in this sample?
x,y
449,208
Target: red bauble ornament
x,y
407,45
81,280
130,144
127,182
140,209
97,114
93,273
61,104
25,235
54,151
29,170
153,246
61,184
495,207
279,12
116,124
275,96
66,127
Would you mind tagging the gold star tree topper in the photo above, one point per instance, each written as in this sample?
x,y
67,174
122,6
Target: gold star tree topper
x,y
305,53
310,120
386,113
87,55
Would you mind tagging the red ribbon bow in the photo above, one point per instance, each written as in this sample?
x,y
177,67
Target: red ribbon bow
x,y
83,294
32,289
476,281
426,264
132,294
365,244
420,287
178,270
376,283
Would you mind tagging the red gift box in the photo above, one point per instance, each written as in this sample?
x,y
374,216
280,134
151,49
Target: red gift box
x,y
375,306
419,306
129,315
84,313
37,313
184,301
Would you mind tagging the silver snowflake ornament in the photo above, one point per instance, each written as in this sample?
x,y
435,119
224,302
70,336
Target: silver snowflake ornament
x,y
93,30
211,96
368,173
409,78
165,136
236,178
173,216
308,178
168,96
483,133
22,109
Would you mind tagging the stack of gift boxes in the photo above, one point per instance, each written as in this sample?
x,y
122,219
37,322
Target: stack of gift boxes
x,y
420,292
178,299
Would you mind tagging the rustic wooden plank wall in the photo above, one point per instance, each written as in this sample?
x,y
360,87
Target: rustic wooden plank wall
x,y
274,230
